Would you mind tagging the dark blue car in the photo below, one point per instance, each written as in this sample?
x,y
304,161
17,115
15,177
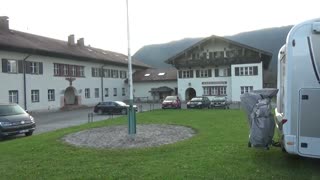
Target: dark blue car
x,y
14,120
199,102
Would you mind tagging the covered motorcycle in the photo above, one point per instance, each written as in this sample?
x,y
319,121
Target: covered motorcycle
x,y
257,105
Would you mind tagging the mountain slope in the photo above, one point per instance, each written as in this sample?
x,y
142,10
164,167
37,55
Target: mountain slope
x,y
155,55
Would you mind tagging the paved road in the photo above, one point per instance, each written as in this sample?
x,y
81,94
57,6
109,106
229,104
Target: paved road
x,y
49,121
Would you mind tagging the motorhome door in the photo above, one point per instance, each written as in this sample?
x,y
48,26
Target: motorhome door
x,y
309,122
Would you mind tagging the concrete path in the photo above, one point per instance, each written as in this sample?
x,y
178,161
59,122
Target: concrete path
x,y
50,121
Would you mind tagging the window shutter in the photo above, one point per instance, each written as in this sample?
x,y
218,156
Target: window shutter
x,y
197,73
20,66
255,70
229,72
92,72
28,67
100,72
180,74
209,73
216,72
40,68
69,70
77,71
237,71
4,65
60,69
191,73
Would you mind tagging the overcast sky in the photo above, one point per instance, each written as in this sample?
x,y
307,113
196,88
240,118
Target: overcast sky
x,y
102,23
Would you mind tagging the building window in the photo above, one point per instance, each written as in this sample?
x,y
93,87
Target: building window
x,y
34,67
73,71
106,92
246,71
114,91
123,91
56,69
13,96
203,73
225,72
95,72
215,90
222,90
96,92
12,66
123,74
81,71
245,89
106,73
65,70
51,96
114,73
206,91
241,71
87,93
186,74
35,96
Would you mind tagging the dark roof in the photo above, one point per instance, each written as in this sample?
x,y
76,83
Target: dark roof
x,y
169,61
17,41
169,75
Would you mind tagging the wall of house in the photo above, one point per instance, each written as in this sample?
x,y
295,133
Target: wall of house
x,y
238,81
141,89
233,83
48,81
198,83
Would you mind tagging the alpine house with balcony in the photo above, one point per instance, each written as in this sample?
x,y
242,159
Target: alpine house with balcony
x,y
217,66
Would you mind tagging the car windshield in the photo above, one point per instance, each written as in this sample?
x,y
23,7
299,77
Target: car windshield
x,y
7,110
121,103
196,99
171,98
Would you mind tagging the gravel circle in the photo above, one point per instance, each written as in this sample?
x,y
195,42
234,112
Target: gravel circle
x,y
116,137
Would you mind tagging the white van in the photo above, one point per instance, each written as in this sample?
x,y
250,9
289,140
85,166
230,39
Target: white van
x,y
298,99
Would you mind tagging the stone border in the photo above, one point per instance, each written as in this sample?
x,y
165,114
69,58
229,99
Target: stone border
x,y
116,137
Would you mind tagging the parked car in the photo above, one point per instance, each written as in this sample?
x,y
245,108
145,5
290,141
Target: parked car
x,y
14,120
220,102
199,102
112,107
171,102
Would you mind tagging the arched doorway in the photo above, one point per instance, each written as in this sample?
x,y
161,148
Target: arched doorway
x,y
190,93
70,96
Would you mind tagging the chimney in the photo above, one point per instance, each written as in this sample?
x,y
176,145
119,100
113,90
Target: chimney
x,y
4,23
80,42
71,40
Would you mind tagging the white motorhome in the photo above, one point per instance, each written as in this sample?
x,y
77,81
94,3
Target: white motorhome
x,y
298,99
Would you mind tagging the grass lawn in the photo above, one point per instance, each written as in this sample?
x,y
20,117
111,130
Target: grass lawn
x,y
218,151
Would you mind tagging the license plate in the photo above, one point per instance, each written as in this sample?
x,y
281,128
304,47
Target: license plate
x,y
23,131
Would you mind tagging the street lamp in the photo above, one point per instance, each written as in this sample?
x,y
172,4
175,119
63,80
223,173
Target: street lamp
x,y
131,115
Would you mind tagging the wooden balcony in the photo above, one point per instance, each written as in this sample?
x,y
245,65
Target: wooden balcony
x,y
204,62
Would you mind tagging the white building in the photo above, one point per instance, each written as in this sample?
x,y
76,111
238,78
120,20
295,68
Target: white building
x,y
41,73
217,66
154,84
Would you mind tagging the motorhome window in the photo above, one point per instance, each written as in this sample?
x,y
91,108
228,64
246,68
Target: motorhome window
x,y
282,79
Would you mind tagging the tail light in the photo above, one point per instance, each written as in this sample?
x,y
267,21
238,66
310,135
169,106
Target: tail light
x,y
283,121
